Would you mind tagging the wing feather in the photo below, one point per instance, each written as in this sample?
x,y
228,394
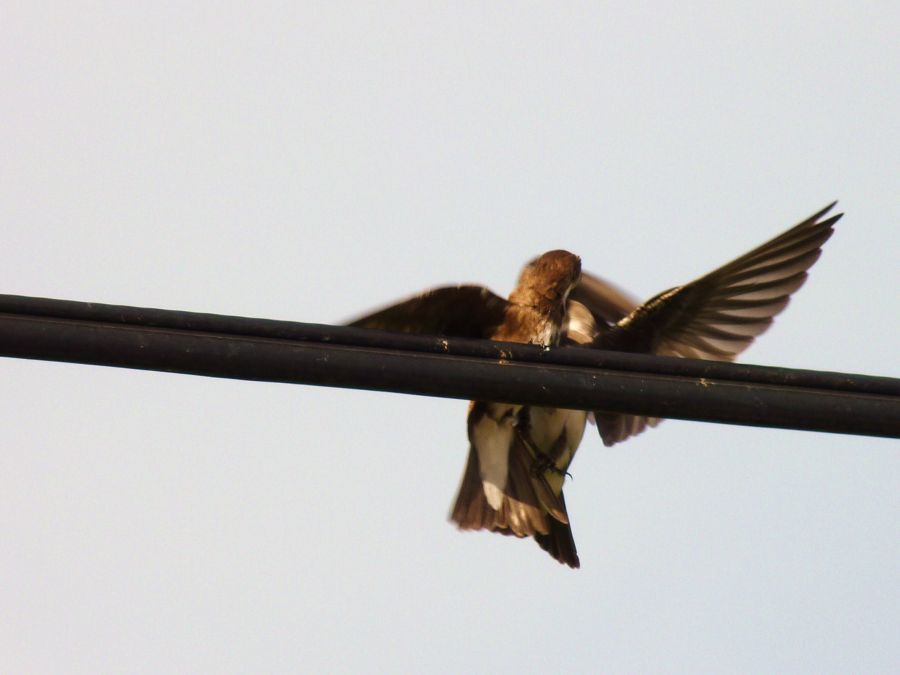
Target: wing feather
x,y
453,311
720,314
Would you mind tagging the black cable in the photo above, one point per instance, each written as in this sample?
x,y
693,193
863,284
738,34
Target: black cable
x,y
280,351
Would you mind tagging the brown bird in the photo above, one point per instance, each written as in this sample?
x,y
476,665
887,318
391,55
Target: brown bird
x,y
519,455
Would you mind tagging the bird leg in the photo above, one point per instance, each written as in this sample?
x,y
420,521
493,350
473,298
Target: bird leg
x,y
542,461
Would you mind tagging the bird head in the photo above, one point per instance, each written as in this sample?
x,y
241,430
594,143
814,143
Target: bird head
x,y
547,279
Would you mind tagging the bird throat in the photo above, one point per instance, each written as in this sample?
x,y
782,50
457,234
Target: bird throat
x,y
530,325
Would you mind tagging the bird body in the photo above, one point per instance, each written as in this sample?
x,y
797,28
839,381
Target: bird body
x,y
519,455
503,488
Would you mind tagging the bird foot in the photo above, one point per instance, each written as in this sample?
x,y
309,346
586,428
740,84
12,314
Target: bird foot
x,y
542,461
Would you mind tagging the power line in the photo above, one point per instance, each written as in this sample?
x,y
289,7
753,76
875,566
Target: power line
x,y
340,356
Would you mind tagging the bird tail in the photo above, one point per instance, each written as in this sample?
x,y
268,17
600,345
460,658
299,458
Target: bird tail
x,y
522,512
559,541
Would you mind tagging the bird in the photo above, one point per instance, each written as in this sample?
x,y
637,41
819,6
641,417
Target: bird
x,y
519,455
509,483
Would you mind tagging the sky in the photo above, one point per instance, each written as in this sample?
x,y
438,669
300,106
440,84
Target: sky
x,y
311,161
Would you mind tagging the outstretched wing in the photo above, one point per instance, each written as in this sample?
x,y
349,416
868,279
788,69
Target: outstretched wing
x,y
718,315
458,311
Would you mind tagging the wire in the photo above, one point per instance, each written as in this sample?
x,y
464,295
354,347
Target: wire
x,y
340,356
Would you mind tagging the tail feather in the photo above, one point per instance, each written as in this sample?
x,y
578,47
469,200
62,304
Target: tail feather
x,y
522,513
559,542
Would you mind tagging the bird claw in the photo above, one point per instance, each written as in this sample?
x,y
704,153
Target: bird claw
x,y
543,462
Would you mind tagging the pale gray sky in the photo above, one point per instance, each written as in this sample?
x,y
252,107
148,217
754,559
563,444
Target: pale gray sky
x,y
310,161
